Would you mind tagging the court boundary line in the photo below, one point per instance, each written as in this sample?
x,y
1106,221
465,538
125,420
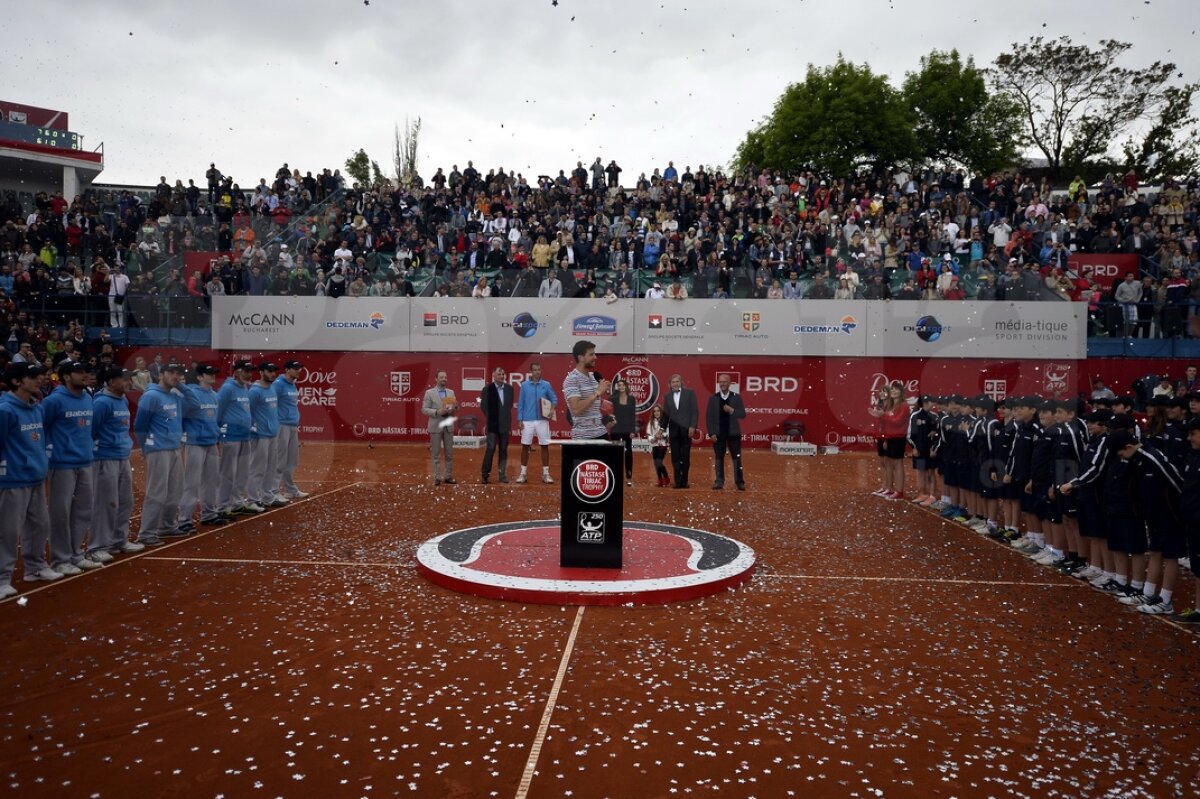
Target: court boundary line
x,y
270,562
539,739
933,580
135,556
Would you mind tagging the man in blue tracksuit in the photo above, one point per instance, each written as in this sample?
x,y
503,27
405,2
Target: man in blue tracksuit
x,y
200,467
67,417
23,466
158,427
112,477
536,394
233,418
264,426
287,443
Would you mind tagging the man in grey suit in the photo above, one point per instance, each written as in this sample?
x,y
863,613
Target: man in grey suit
x,y
721,417
683,414
496,403
439,405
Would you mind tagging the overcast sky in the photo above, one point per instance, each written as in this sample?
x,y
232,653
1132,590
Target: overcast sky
x,y
529,86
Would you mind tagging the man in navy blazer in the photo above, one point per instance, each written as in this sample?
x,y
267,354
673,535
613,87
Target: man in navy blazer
x,y
497,402
683,416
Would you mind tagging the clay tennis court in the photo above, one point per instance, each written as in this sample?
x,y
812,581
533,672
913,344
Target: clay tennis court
x,y
877,651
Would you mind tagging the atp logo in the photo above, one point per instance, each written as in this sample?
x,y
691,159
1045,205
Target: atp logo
x,y
590,529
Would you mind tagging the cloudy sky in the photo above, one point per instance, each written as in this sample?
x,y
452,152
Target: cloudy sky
x,y
170,86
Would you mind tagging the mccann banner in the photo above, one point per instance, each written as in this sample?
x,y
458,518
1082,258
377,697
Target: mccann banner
x,y
311,323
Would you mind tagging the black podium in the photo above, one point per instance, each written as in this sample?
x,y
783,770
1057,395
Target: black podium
x,y
592,504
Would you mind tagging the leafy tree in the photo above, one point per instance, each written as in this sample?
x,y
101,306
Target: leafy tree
x,y
1076,101
840,119
363,170
957,120
1169,147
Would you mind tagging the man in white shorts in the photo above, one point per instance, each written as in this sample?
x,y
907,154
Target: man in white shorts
x,y
536,405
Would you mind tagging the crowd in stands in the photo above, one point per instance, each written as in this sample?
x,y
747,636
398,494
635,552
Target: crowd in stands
x,y
933,235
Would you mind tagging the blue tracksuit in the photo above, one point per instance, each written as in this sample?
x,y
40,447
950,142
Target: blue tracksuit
x,y
68,422
529,402
233,411
200,416
158,424
110,427
264,412
23,461
288,397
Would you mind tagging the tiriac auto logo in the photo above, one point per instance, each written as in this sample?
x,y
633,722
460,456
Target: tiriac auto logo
x,y
592,481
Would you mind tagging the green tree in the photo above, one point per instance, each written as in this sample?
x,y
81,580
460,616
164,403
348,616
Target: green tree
x,y
957,120
1077,102
363,170
1168,148
839,119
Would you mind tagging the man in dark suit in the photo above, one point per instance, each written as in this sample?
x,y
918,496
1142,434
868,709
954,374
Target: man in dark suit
x,y
683,414
721,417
496,402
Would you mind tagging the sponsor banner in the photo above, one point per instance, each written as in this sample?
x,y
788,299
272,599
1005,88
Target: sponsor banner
x,y
1030,330
823,401
751,327
824,328
1105,269
310,323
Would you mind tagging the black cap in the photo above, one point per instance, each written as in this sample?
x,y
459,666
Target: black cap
x,y
71,367
205,369
18,371
113,372
1158,402
1120,439
1122,421
986,403
1124,400
1046,406
1192,424
293,365
243,364
267,366
1099,416
1102,402
174,367
1178,402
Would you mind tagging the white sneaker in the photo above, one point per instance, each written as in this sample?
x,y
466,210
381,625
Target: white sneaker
x,y
299,495
100,556
520,478
1158,608
254,507
46,575
6,591
1100,579
1134,599
68,569
547,478
132,546
1087,573
87,564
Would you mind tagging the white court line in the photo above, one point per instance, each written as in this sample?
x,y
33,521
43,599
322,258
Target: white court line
x,y
551,701
852,578
165,547
265,562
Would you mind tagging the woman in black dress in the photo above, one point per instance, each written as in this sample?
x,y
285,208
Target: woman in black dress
x,y
625,412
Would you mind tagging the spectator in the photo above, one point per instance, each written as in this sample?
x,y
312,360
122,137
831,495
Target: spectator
x,y
655,292
819,290
551,286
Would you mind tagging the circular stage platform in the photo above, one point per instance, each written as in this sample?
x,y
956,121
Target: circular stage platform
x,y
518,561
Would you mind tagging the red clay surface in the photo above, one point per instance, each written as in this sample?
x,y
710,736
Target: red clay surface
x,y
877,651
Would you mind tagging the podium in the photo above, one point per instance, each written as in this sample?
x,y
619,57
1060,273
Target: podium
x,y
592,504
